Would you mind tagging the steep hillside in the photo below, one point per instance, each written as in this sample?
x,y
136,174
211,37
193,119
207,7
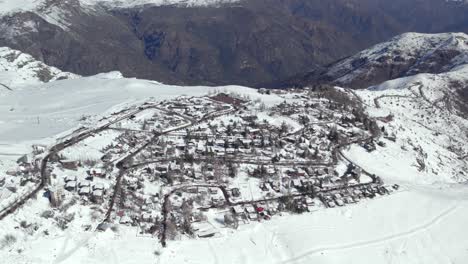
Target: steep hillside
x,y
249,42
403,55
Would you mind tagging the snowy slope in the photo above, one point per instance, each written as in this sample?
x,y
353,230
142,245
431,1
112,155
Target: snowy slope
x,y
430,129
403,55
62,104
19,69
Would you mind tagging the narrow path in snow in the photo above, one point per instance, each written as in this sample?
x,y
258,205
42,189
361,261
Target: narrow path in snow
x,y
6,87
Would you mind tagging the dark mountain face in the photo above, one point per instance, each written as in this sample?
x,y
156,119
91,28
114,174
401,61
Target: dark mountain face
x,y
254,42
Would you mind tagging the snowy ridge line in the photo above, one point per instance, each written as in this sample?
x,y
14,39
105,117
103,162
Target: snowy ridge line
x,y
17,6
413,52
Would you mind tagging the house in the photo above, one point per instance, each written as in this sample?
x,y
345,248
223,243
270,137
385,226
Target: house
x,y
69,164
230,151
70,186
213,190
98,186
204,230
84,184
251,213
296,183
237,210
97,172
147,217
85,190
217,202
245,143
69,178
161,170
219,143
339,202
97,196
180,145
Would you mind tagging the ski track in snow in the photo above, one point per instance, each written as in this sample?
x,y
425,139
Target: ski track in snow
x,y
376,241
66,254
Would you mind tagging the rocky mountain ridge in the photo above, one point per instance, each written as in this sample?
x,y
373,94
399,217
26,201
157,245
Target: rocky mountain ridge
x,y
250,42
404,55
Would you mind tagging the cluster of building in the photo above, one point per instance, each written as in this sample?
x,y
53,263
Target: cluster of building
x,y
199,156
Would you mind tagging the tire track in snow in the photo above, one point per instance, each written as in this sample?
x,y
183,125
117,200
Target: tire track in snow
x,y
376,241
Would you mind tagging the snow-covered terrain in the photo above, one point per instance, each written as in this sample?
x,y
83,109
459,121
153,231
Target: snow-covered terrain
x,y
419,225
20,69
423,222
431,132
64,103
403,55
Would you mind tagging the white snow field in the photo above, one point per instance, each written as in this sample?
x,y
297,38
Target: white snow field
x,y
63,103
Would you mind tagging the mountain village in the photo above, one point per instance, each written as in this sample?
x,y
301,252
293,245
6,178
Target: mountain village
x,y
194,165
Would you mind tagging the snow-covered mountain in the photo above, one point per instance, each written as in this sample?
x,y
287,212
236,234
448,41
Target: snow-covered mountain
x,y
17,69
404,55
14,6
